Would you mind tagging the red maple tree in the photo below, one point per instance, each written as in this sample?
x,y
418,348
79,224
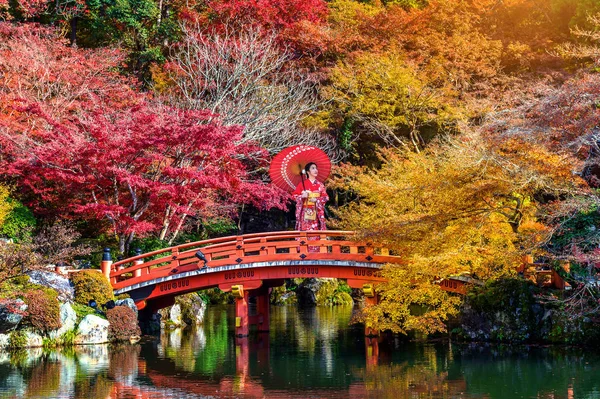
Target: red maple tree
x,y
83,143
144,169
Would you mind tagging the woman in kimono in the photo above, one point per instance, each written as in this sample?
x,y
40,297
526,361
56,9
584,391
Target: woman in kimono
x,y
311,197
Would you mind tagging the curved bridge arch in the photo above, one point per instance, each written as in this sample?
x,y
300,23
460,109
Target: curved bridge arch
x,y
251,263
253,260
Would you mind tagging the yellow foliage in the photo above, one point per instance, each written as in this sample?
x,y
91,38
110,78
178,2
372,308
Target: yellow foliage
x,y
5,205
452,209
349,13
161,80
385,88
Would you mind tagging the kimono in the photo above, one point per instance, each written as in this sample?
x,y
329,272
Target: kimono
x,y
310,215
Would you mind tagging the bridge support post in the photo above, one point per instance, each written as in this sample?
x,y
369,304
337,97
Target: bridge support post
x,y
106,264
370,300
241,312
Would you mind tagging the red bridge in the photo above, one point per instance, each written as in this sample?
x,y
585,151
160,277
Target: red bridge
x,y
249,265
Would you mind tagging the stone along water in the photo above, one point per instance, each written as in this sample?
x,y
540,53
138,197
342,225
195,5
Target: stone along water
x,y
309,353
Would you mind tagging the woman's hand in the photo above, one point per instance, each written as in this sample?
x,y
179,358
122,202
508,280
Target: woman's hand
x,y
304,194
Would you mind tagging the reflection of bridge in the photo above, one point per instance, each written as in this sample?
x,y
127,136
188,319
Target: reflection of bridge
x,y
379,377
249,265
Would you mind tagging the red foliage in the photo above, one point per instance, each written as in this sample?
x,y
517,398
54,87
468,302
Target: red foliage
x,y
123,323
43,309
138,168
79,138
563,118
569,113
268,14
38,66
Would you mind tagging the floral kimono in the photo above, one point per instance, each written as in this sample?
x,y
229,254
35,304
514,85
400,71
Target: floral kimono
x,y
310,212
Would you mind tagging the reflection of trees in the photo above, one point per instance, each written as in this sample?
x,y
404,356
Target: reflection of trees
x,y
201,349
422,373
530,371
123,365
311,326
44,380
309,347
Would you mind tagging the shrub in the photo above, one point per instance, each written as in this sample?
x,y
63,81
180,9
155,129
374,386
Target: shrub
x,y
217,297
123,323
83,310
43,309
19,223
89,284
333,292
17,339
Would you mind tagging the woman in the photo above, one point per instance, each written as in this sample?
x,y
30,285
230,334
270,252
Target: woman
x,y
311,197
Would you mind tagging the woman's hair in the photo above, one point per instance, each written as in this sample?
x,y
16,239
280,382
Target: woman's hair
x,y
308,165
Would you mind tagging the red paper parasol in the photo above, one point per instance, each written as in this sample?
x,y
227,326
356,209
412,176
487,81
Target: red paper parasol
x,y
286,167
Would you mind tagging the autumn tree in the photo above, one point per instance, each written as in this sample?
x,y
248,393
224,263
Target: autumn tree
x,y
38,66
462,205
587,46
141,170
242,77
386,95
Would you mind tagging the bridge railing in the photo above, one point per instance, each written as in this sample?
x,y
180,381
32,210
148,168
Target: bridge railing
x,y
249,248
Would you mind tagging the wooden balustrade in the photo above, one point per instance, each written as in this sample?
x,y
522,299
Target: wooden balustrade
x,y
250,248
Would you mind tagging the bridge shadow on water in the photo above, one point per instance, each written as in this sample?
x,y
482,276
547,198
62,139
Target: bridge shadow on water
x,y
308,353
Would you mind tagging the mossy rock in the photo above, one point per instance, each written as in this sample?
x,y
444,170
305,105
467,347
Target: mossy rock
x,y
283,296
504,311
333,292
91,285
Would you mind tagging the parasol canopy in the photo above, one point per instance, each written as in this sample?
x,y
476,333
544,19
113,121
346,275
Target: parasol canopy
x,y
286,167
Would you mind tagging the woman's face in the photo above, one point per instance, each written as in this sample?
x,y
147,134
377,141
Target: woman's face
x,y
313,171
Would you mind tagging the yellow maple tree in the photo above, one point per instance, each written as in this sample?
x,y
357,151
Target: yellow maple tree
x,y
454,209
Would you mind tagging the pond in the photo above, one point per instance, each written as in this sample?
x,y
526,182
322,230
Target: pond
x,y
308,353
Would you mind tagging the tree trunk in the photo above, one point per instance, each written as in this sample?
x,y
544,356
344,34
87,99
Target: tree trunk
x,y
73,37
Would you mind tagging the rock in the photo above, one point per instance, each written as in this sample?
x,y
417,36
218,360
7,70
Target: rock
x,y
175,314
280,296
129,303
150,323
34,340
60,284
92,330
306,293
192,308
68,318
4,339
11,314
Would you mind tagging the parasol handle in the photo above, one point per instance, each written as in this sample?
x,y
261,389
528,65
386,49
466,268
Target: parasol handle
x,y
302,173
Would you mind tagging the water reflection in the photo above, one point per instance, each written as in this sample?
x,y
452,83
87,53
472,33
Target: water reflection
x,y
309,353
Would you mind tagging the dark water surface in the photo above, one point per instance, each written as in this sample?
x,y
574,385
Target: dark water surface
x,y
311,353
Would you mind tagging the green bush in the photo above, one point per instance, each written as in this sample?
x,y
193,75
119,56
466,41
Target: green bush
x,y
334,292
89,284
43,309
83,310
217,297
17,339
283,296
123,323
19,222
